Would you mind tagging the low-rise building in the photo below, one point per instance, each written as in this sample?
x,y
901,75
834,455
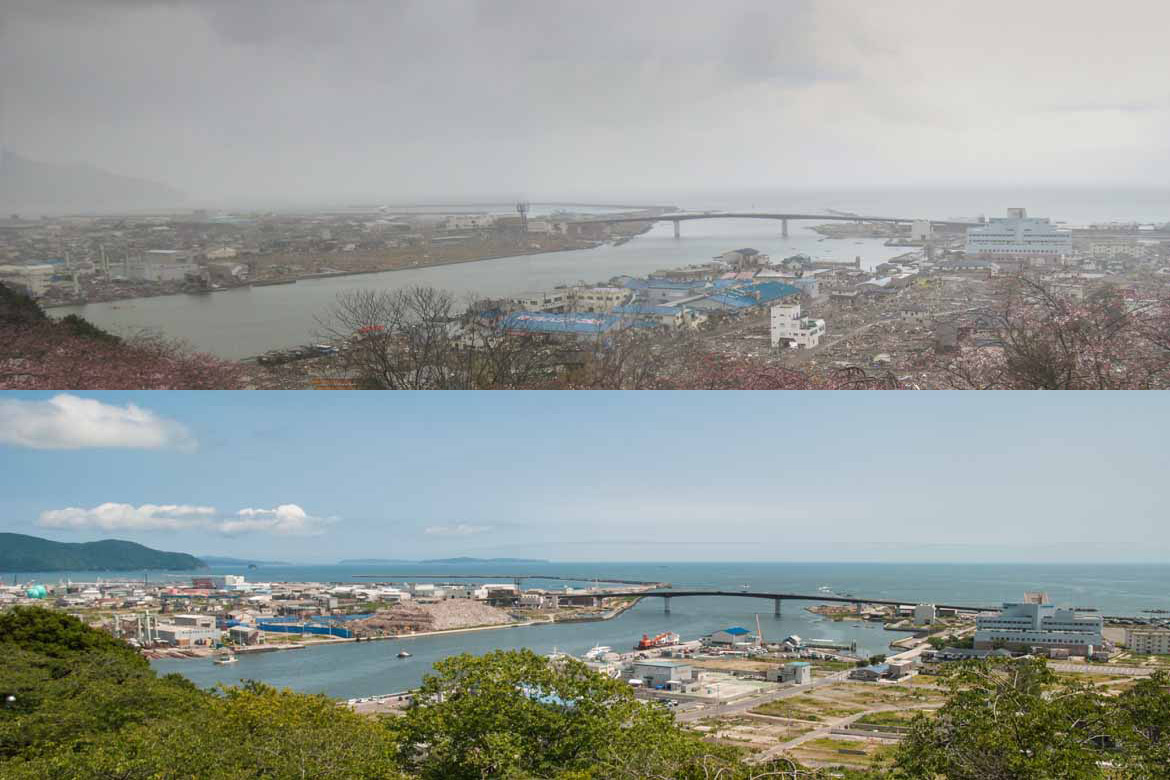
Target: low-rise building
x,y
870,673
187,635
792,330
1150,641
659,673
730,637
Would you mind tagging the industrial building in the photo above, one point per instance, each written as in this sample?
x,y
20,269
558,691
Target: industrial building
x,y
1019,236
792,330
582,326
1024,626
732,637
1150,641
796,672
663,673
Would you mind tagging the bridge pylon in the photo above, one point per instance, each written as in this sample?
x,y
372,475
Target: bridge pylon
x,y
784,228
677,233
666,599
776,604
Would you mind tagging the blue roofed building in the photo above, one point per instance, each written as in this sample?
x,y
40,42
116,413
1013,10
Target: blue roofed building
x,y
731,637
870,673
577,325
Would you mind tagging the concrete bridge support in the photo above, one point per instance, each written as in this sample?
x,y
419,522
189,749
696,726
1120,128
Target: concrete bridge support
x,y
666,599
776,604
676,231
783,233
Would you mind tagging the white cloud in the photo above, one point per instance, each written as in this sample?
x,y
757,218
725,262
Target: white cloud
x,y
459,529
125,517
68,422
286,519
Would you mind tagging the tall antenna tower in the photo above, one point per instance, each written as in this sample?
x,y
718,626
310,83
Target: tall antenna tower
x,y
522,210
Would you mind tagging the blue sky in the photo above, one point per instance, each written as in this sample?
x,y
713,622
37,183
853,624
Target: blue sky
x,y
317,477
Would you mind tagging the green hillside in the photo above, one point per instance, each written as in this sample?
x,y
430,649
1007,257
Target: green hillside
x,y
19,552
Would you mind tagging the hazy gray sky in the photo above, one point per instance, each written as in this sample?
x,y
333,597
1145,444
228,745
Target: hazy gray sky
x,y
394,99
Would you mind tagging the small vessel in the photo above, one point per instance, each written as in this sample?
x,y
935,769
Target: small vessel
x,y
662,640
597,652
403,654
229,658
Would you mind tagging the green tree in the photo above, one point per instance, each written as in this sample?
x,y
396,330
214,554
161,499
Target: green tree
x,y
511,714
1008,720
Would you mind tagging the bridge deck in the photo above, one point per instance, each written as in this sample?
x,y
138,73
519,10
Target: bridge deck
x,y
760,215
793,597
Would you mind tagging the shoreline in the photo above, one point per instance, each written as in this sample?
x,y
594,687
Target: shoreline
x,y
334,274
200,654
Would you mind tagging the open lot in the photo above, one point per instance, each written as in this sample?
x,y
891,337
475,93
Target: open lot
x,y
841,751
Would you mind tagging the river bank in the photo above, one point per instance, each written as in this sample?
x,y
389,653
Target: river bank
x,y
194,653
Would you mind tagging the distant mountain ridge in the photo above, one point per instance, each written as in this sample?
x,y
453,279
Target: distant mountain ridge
x,y
19,552
31,186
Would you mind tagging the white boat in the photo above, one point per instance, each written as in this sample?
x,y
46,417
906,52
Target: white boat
x,y
403,654
597,652
230,658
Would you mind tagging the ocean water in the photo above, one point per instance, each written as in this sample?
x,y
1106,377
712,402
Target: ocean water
x,y
360,669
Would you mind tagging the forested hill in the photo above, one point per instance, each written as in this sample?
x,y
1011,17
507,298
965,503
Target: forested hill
x,y
19,552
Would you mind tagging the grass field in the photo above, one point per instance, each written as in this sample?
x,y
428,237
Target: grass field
x,y
852,753
806,708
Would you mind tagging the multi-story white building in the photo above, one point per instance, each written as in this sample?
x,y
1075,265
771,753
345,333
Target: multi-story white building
x,y
598,300
1150,641
34,278
790,328
1019,236
1024,626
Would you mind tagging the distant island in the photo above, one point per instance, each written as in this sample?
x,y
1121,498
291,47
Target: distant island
x,y
19,552
221,560
352,561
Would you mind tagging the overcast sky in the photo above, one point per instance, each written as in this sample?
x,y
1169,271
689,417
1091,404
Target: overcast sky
x,y
393,99
594,476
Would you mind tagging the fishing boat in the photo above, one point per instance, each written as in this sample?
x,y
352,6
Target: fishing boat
x,y
597,652
403,654
229,658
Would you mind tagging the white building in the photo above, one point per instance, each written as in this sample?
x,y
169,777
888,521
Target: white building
x,y
1019,236
34,278
924,614
662,673
599,300
1024,626
551,301
796,331
1149,641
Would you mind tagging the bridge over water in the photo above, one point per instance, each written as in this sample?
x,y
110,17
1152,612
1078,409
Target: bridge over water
x,y
776,598
782,217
